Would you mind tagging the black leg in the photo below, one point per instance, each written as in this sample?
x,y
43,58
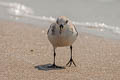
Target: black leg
x,y
54,57
54,65
71,60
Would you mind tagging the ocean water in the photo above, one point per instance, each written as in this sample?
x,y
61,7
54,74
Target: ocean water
x,y
97,17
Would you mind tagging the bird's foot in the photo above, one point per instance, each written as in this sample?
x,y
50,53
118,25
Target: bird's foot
x,y
70,62
55,66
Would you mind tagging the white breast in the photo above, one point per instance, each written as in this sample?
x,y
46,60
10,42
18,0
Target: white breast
x,y
66,38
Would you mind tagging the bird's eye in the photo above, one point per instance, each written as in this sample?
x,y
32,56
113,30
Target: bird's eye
x,y
66,21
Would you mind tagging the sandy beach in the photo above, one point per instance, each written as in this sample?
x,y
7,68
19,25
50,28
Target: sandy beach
x,y
25,51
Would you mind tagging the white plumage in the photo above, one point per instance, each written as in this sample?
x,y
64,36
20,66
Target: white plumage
x,y
67,36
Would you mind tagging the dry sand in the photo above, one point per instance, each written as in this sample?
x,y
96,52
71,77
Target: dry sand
x,y
25,51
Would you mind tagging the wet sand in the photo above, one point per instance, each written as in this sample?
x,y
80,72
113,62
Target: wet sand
x,y
25,52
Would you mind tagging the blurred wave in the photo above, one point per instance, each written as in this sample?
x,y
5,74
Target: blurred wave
x,y
20,10
17,8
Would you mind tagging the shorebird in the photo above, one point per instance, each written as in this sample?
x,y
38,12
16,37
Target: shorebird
x,y
60,34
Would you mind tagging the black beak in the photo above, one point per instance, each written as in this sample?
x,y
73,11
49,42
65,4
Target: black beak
x,y
61,27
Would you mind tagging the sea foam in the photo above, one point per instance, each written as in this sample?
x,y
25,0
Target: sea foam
x,y
20,10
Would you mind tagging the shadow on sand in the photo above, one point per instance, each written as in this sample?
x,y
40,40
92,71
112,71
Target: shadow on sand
x,y
47,68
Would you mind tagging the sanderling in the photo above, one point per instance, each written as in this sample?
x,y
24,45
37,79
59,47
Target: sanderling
x,y
60,34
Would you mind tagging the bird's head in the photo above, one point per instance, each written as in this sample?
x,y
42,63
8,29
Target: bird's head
x,y
62,21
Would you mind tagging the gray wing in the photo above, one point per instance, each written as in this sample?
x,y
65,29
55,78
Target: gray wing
x,y
48,29
52,28
75,30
